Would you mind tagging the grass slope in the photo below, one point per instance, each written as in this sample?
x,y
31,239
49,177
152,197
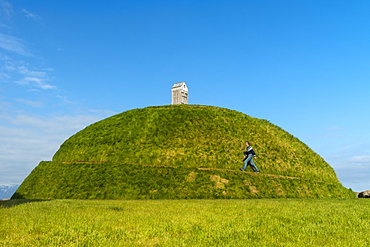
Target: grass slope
x,y
156,152
50,180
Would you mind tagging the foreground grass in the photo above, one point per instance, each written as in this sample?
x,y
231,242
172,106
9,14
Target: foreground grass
x,y
263,222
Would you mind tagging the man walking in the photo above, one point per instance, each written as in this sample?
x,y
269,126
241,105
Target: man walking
x,y
249,154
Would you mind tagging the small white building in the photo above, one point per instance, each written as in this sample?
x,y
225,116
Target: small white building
x,y
179,93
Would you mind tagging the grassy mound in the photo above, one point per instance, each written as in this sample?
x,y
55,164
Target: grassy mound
x,y
181,151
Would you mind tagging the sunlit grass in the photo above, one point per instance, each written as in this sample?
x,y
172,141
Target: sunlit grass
x,y
150,153
55,180
259,222
193,136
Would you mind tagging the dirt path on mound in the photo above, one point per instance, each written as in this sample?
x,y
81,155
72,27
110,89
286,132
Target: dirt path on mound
x,y
251,173
199,168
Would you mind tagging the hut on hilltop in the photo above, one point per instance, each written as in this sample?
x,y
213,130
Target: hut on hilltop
x,y
179,93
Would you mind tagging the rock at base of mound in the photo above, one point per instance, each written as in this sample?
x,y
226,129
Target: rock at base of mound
x,y
364,194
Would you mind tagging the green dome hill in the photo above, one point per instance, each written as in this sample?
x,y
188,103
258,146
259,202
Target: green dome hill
x,y
181,151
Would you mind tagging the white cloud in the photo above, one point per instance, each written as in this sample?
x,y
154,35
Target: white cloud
x,y
25,71
6,9
5,106
8,63
47,86
360,159
30,15
21,73
15,70
353,171
335,128
36,82
36,104
356,177
4,76
13,44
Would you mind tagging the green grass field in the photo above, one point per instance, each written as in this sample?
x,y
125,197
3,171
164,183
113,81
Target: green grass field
x,y
251,222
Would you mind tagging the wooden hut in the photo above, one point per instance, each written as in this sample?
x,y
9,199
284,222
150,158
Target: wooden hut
x,y
179,93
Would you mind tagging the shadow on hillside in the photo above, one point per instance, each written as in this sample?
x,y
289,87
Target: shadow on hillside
x,y
17,199
15,202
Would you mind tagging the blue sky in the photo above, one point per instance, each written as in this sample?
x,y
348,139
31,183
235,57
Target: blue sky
x,y
302,65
